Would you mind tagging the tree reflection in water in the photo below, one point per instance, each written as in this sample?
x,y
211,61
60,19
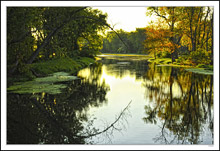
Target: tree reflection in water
x,y
179,102
55,119
123,66
182,101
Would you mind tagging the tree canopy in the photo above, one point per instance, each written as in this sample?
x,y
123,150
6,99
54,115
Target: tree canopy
x,y
181,29
133,42
35,33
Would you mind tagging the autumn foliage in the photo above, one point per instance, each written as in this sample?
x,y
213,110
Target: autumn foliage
x,y
181,29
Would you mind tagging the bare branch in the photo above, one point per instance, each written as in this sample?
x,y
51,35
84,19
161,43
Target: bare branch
x,y
110,126
104,25
162,16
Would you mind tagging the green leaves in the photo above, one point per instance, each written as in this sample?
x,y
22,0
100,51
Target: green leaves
x,y
39,33
187,27
134,42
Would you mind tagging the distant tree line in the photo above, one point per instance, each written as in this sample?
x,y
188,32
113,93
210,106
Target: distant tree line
x,y
133,41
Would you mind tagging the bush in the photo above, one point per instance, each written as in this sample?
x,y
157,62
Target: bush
x,y
24,71
159,54
201,66
183,60
200,57
166,54
207,67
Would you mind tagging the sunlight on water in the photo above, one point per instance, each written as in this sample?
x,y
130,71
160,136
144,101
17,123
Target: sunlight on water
x,y
166,106
122,90
125,85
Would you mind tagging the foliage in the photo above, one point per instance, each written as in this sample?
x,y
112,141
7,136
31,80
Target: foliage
x,y
133,40
181,30
48,84
184,60
44,68
56,118
70,65
80,34
36,34
159,41
200,57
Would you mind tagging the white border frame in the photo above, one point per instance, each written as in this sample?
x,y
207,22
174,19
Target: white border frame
x,y
4,4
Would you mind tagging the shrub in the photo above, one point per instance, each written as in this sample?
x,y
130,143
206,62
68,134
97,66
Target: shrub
x,y
200,57
166,54
183,60
201,66
24,71
159,54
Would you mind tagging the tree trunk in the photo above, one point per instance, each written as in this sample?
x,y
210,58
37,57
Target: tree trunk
x,y
46,40
212,40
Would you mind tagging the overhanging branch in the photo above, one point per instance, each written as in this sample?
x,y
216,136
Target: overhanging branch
x,y
92,18
162,16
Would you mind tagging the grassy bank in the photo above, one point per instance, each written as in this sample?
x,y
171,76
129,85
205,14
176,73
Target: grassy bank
x,y
45,68
201,68
70,65
168,61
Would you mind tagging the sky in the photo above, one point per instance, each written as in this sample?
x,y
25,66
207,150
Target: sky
x,y
126,18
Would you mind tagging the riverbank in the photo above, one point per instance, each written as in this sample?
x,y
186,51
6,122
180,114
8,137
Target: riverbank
x,y
45,68
201,68
164,61
124,55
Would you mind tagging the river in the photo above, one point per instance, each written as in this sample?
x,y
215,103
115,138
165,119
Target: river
x,y
117,100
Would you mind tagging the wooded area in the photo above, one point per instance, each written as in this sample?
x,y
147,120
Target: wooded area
x,y
154,85
36,34
186,33
42,33
134,42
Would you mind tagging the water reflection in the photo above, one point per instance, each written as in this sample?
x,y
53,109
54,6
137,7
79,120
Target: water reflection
x,y
182,101
54,119
169,106
124,66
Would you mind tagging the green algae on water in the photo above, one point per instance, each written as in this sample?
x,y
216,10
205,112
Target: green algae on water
x,y
51,84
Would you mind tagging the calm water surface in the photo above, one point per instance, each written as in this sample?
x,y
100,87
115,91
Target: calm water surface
x,y
118,100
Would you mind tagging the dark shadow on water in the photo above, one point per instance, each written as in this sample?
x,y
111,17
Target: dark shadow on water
x,y
54,119
184,116
179,102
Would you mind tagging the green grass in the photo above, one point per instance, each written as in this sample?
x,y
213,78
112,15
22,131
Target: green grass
x,y
70,65
45,68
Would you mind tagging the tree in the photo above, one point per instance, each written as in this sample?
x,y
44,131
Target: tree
x,y
22,23
170,16
190,27
158,40
39,33
133,41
